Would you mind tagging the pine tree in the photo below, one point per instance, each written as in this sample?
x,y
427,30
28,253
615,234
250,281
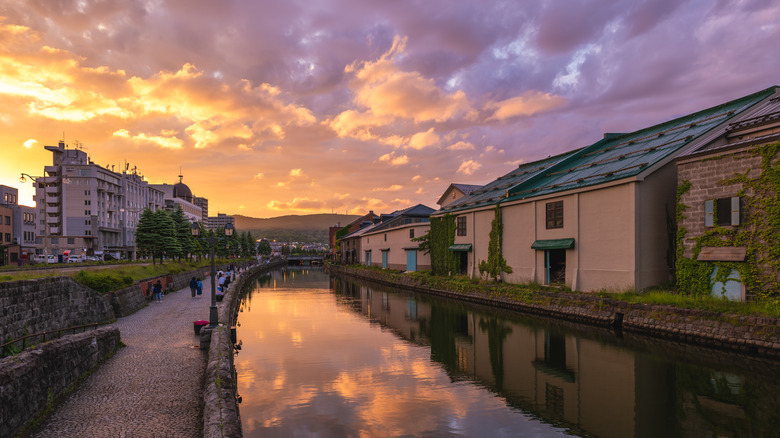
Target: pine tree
x,y
146,236
183,233
169,244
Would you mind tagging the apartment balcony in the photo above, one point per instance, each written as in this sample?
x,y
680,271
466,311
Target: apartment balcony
x,y
53,191
53,221
54,230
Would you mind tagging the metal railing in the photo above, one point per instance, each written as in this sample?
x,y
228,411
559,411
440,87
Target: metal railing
x,y
9,348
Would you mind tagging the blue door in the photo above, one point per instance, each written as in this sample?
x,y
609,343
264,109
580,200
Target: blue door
x,y
384,259
368,258
411,260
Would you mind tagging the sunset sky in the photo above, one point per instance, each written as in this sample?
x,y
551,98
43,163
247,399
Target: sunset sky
x,y
312,106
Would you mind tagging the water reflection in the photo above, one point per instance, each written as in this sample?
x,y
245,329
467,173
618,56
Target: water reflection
x,y
356,360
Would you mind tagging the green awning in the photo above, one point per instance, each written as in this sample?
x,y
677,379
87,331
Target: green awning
x,y
553,244
460,247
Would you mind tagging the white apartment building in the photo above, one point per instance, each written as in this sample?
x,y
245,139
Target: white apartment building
x,y
88,209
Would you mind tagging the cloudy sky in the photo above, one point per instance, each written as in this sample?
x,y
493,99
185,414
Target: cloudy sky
x,y
308,106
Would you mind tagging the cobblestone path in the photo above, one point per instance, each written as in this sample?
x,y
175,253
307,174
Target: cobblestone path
x,y
152,387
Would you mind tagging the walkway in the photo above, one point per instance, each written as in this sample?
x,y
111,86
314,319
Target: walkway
x,y
152,387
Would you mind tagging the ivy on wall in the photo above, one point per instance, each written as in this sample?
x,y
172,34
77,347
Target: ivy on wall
x,y
495,263
440,237
759,232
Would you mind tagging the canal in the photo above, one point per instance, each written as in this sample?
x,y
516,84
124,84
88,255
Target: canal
x,y
329,357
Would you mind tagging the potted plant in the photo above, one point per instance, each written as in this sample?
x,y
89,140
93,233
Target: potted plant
x,y
199,325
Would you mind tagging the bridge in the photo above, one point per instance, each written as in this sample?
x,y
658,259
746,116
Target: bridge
x,y
305,260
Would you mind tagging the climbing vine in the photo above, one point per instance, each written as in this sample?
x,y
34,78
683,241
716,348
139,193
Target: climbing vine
x,y
759,232
440,237
495,263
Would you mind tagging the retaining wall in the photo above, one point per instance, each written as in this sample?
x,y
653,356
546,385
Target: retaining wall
x,y
32,380
221,416
44,304
753,335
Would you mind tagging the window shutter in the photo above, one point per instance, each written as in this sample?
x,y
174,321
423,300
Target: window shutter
x,y
709,209
735,213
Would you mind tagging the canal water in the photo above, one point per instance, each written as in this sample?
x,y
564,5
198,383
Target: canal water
x,y
329,357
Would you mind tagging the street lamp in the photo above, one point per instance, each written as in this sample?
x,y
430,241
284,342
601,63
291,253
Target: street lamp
x,y
212,240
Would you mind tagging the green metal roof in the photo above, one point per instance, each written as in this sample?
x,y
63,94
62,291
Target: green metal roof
x,y
460,247
626,155
553,244
615,157
495,191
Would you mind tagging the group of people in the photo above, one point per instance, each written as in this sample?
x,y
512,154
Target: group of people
x,y
196,287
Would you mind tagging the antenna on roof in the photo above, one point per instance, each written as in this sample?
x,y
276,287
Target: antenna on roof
x,y
180,175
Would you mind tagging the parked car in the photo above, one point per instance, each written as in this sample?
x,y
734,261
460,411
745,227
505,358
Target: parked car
x,y
74,259
51,259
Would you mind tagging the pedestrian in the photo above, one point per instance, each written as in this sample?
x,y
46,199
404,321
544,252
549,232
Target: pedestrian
x,y
157,292
221,281
193,286
200,287
227,283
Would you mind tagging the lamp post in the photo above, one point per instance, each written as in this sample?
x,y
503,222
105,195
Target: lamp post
x,y
212,240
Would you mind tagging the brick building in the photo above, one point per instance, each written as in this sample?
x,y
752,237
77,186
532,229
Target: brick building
x,y
726,232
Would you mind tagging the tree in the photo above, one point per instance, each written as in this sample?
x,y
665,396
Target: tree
x,y
169,244
495,263
264,247
183,232
146,234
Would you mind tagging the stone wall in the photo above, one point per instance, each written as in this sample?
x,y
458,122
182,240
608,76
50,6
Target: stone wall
x,y
32,380
221,416
746,334
705,176
44,304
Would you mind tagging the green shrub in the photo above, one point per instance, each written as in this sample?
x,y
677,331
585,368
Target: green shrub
x,y
104,281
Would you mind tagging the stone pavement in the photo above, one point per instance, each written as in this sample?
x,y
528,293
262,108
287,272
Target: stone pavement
x,y
153,387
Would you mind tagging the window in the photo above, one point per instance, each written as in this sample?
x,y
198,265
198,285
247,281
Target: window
x,y
554,214
461,223
723,211
71,240
87,202
385,237
8,220
7,237
411,233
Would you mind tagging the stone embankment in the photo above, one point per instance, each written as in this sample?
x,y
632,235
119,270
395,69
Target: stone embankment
x,y
753,335
34,379
44,304
31,381
221,416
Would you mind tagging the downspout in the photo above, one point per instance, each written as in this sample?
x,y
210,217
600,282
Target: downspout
x,y
473,244
500,218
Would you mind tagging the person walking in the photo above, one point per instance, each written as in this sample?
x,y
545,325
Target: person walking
x,y
193,286
157,288
199,287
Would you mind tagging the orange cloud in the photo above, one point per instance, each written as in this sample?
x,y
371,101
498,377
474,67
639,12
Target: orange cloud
x,y
422,140
468,167
528,104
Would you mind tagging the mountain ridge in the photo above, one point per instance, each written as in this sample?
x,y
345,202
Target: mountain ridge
x,y
293,228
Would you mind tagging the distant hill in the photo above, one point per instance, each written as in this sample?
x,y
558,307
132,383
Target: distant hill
x,y
293,228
